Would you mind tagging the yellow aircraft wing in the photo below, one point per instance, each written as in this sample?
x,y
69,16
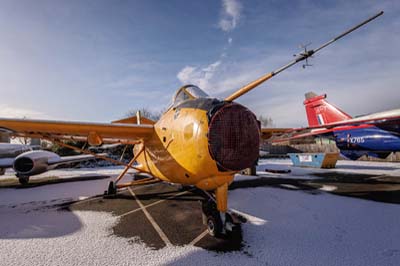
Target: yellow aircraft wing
x,y
94,133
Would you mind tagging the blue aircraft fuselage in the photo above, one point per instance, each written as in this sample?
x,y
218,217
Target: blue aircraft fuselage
x,y
355,142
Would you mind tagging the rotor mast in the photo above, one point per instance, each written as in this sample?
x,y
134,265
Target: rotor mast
x,y
302,56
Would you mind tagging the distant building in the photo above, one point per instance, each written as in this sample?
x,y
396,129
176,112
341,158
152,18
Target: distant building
x,y
35,142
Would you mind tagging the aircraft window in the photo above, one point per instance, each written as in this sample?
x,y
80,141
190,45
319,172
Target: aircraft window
x,y
196,92
181,96
188,92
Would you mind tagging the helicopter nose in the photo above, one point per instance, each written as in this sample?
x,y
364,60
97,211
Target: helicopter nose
x,y
234,137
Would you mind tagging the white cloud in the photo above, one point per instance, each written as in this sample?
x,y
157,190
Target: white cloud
x,y
230,16
202,77
199,76
11,112
359,81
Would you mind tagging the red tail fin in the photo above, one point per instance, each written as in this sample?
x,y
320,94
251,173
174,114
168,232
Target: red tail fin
x,y
320,112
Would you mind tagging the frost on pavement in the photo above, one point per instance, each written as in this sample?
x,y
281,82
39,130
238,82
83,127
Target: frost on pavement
x,y
95,244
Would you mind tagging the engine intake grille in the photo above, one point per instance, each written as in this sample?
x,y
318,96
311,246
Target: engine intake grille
x,y
234,137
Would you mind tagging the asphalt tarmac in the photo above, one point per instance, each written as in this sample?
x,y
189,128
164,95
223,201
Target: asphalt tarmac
x,y
161,214
343,216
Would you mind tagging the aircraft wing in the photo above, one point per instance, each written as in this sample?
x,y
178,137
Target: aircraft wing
x,y
267,133
377,119
301,133
6,162
72,159
389,123
9,162
94,133
285,134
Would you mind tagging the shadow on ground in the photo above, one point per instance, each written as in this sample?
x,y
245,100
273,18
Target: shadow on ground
x,y
37,220
177,213
14,183
370,187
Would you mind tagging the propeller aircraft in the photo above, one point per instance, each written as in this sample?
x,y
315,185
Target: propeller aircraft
x,y
199,140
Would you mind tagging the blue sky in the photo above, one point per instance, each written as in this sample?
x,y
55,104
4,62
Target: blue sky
x,y
96,60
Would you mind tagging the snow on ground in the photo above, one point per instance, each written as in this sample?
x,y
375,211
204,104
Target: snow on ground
x,y
301,229
94,244
68,191
323,229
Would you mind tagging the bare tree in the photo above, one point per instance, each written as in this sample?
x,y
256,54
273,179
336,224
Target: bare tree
x,y
266,121
145,112
22,140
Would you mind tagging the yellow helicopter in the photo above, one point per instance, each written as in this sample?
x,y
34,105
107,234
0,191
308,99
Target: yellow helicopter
x,y
199,141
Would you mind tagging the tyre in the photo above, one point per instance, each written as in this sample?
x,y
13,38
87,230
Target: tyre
x,y
214,225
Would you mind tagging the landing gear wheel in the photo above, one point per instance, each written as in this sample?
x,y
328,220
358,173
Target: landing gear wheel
x,y
230,229
212,218
23,180
214,225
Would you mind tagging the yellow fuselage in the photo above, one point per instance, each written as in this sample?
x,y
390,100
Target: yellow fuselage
x,y
178,152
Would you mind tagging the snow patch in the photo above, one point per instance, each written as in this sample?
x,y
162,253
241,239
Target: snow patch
x,y
328,188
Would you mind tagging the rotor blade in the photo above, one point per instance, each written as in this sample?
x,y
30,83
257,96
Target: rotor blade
x,y
299,58
348,31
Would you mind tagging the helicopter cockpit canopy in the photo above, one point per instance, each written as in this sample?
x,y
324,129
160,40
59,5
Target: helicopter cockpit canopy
x,y
188,92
